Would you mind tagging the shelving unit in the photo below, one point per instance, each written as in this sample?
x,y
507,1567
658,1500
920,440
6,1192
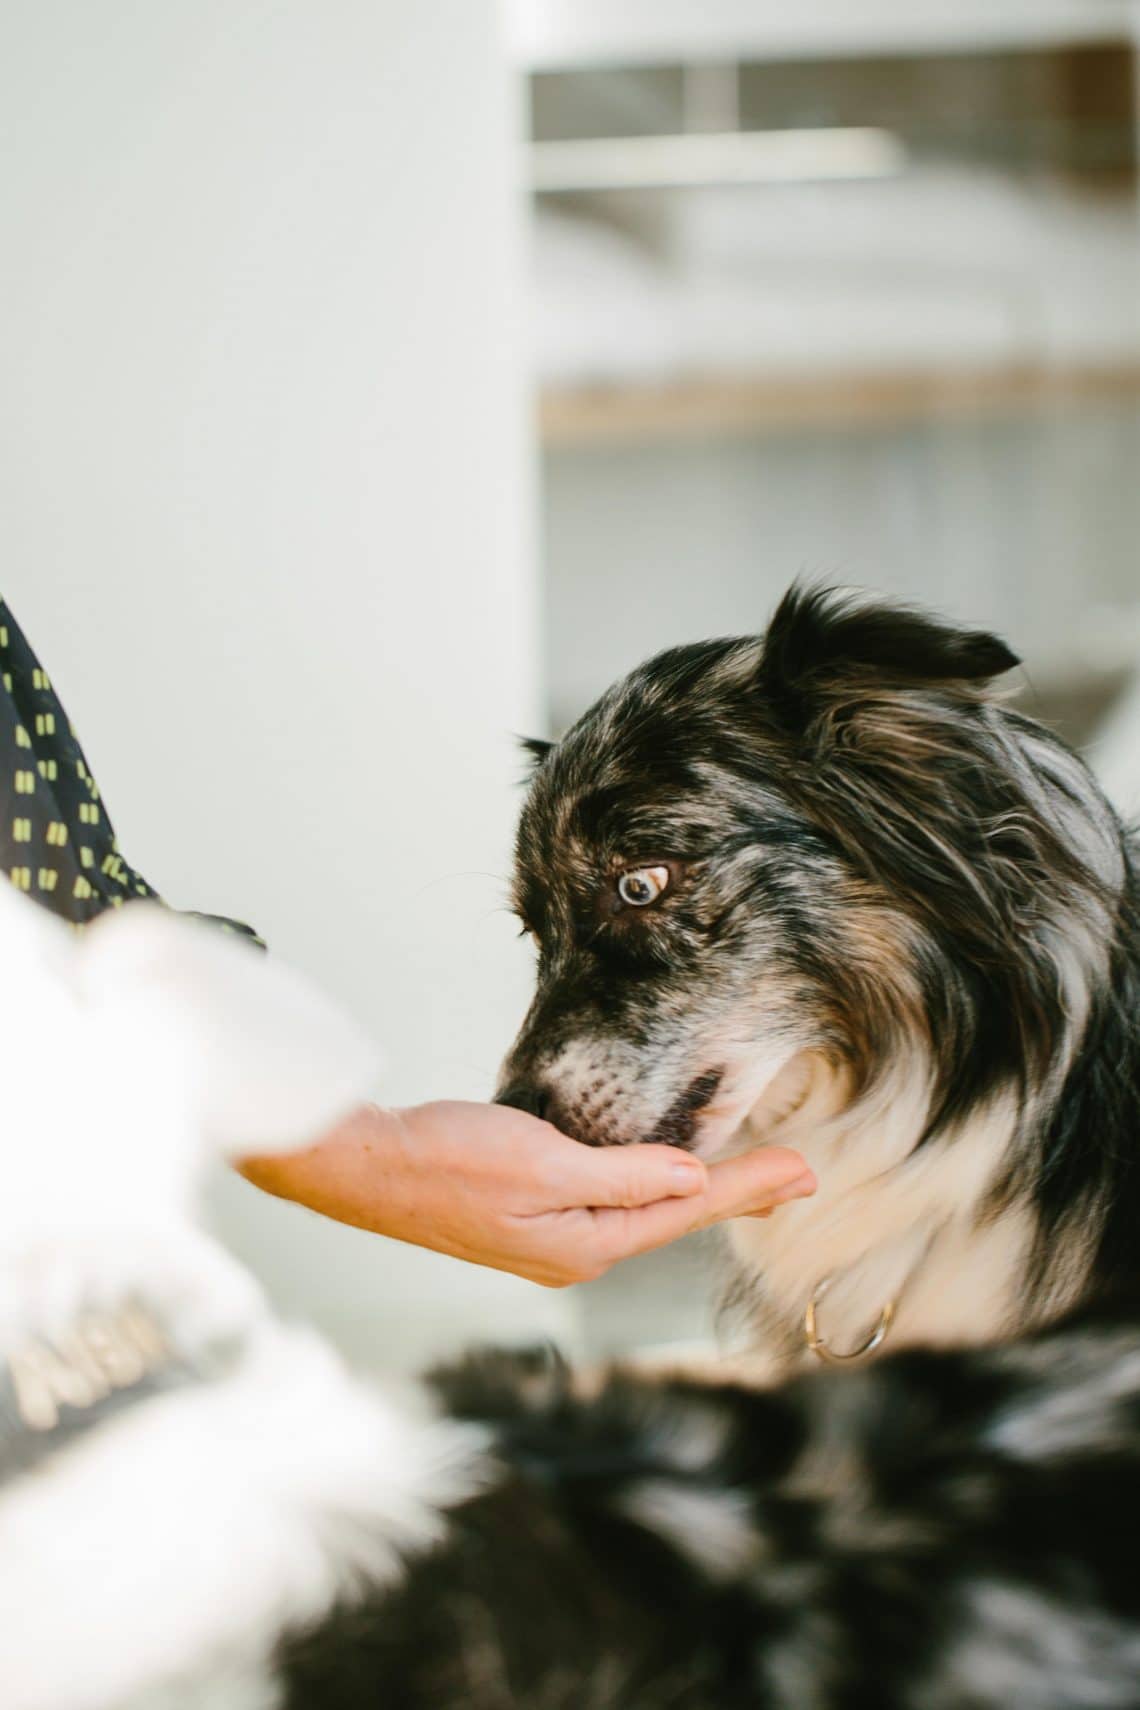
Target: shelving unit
x,y
835,321
592,415
573,34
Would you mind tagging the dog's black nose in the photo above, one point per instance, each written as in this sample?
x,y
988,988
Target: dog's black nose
x,y
524,1095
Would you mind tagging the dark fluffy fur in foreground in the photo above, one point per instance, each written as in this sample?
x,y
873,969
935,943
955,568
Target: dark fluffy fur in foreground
x,y
940,1530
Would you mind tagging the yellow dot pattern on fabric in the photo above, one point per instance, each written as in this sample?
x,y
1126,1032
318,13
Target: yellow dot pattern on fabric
x,y
56,839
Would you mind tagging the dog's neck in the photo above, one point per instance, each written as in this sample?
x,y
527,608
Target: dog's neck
x,y
894,1222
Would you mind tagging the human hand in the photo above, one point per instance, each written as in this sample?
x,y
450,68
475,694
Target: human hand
x,y
498,1187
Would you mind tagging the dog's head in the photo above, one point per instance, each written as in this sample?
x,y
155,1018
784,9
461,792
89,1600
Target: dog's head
x,y
828,839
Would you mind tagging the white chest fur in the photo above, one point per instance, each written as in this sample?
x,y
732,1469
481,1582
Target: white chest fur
x,y
891,1221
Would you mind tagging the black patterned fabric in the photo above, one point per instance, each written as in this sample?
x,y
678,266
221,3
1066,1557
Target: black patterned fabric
x,y
57,842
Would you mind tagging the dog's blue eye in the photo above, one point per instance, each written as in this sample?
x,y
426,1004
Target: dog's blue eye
x,y
643,885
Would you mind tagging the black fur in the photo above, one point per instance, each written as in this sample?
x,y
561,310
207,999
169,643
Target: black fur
x,y
1087,1180
952,1530
536,747
814,640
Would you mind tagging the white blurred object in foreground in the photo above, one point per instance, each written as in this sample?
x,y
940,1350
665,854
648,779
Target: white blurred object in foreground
x,y
182,1477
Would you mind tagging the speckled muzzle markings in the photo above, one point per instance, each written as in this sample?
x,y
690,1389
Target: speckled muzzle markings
x,y
678,1126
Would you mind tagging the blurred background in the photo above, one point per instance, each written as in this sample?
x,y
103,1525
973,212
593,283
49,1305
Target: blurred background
x,y
377,382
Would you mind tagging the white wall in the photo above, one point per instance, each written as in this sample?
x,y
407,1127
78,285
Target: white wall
x,y
265,501
1028,525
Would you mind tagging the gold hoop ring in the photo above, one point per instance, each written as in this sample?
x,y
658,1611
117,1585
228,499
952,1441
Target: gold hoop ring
x,y
817,1343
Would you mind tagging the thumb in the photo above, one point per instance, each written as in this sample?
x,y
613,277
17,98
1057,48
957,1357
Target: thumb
x,y
631,1176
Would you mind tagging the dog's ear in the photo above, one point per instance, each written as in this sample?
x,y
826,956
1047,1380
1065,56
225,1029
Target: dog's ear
x,y
905,775
536,747
819,644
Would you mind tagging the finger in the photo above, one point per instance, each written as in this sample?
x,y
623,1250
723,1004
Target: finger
x,y
741,1187
755,1182
799,1189
628,1175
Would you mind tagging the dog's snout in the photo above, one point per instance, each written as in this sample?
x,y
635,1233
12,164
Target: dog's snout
x,y
525,1095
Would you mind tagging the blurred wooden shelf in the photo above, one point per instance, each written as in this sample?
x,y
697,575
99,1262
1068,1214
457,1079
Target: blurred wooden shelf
x,y
735,407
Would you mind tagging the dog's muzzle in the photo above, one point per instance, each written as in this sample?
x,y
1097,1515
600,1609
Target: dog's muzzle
x,y
541,1101
676,1126
526,1095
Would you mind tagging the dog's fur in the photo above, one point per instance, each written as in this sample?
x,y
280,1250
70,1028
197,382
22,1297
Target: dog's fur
x,y
949,1531
940,1530
900,933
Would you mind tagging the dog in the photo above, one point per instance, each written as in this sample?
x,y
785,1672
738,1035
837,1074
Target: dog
x,y
823,887
201,1509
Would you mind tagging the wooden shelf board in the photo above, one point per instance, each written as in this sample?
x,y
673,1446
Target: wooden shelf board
x,y
718,407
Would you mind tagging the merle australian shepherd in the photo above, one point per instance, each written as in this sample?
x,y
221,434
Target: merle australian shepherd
x,y
822,886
